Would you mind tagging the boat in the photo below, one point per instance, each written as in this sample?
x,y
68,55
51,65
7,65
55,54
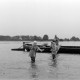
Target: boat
x,y
18,49
69,49
47,49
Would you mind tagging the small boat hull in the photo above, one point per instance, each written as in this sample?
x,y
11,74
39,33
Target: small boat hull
x,y
18,49
69,50
63,49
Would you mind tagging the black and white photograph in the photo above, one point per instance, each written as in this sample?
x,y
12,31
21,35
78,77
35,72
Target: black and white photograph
x,y
39,39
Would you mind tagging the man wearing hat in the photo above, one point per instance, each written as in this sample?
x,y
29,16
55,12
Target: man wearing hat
x,y
33,50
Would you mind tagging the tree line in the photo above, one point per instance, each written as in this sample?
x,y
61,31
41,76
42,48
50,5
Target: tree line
x,y
23,38
31,38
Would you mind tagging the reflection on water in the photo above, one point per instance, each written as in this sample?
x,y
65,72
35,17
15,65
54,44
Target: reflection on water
x,y
38,70
34,72
54,63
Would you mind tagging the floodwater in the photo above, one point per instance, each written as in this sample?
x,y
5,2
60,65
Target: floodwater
x,y
16,65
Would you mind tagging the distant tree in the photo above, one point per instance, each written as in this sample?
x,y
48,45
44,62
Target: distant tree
x,y
35,37
45,37
66,39
61,40
5,38
27,37
15,38
74,39
40,38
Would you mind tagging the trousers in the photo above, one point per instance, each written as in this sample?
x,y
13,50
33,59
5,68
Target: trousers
x,y
53,56
32,59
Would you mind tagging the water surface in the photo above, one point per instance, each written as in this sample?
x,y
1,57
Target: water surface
x,y
16,65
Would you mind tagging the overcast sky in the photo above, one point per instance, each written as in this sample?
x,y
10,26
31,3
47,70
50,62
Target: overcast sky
x,y
39,17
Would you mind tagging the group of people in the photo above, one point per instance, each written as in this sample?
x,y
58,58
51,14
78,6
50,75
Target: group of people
x,y
34,48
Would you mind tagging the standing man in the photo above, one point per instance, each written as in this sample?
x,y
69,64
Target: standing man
x,y
53,49
33,50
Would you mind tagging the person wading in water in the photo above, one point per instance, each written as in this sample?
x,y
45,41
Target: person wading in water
x,y
33,50
54,48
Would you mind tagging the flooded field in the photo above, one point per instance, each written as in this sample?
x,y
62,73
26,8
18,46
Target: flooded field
x,y
16,65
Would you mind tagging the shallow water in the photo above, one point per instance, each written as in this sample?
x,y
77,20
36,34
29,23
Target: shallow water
x,y
16,65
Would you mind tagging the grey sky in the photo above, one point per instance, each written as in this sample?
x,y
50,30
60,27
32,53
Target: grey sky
x,y
39,17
